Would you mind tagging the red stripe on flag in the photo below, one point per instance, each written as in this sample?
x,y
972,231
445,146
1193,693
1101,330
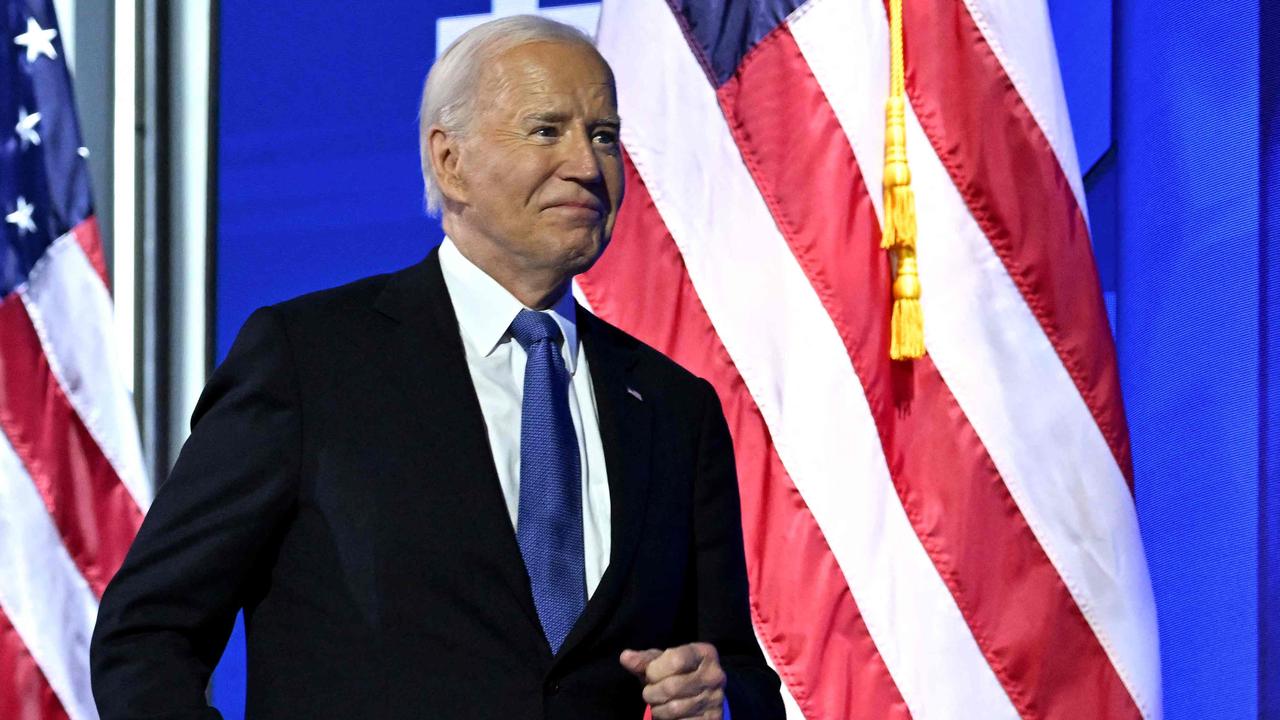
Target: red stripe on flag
x,y
92,509
1007,173
89,238
1021,614
816,637
24,692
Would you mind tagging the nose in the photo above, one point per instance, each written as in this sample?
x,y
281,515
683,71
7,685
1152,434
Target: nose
x,y
580,162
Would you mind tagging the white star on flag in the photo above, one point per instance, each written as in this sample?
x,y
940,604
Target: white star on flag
x,y
37,41
22,216
26,127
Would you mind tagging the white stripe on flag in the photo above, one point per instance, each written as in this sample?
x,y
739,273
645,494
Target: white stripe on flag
x,y
41,590
998,363
71,311
1019,33
793,362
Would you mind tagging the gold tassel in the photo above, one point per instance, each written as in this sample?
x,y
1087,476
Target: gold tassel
x,y
899,200
907,325
907,335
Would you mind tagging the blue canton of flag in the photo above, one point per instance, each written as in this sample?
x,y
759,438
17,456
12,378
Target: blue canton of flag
x,y
44,181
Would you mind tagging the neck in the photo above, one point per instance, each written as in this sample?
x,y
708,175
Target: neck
x,y
535,288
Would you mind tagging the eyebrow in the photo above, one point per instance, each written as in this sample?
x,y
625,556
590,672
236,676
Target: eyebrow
x,y
558,117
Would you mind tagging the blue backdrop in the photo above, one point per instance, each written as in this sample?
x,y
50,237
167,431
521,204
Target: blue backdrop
x,y
1174,104
1269,365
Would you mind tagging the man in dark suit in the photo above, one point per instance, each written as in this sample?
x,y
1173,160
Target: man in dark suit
x,y
449,492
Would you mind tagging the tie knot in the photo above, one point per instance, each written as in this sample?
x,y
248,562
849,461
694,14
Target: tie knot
x,y
531,326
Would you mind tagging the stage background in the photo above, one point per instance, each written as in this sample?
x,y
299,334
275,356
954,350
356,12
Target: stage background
x,y
1173,108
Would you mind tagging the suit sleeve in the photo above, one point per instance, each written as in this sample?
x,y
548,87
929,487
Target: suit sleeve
x,y
724,617
205,544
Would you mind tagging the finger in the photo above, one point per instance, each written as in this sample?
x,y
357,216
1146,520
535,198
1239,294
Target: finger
x,y
685,708
637,661
672,688
709,678
673,661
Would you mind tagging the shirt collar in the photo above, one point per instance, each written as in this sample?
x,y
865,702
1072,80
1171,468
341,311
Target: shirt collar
x,y
485,309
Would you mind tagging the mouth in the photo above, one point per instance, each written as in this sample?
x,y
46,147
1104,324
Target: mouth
x,y
578,206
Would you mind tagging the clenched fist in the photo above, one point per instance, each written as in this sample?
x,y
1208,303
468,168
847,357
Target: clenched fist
x,y
680,683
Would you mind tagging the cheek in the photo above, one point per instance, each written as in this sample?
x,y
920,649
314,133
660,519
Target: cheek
x,y
510,180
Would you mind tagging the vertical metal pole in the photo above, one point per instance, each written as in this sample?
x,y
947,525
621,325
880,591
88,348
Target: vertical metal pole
x,y
188,135
154,230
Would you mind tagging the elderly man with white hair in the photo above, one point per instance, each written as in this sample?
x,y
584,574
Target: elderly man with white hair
x,y
450,492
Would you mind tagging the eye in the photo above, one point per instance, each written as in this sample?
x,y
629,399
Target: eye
x,y
605,137
546,131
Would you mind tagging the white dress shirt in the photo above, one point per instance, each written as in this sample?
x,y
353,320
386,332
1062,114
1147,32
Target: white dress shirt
x,y
485,310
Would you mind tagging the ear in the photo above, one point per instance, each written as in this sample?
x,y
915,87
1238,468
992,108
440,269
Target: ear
x,y
444,149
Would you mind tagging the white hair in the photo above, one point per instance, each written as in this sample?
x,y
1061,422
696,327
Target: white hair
x,y
448,96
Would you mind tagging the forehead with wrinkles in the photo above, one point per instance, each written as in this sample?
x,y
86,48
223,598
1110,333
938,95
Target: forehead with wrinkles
x,y
546,76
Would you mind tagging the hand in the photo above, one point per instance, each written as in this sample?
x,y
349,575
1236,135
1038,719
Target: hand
x,y
680,683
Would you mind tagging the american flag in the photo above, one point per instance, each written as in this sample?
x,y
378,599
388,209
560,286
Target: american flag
x,y
72,483
948,537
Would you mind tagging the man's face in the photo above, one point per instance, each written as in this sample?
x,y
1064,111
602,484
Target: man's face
x,y
540,169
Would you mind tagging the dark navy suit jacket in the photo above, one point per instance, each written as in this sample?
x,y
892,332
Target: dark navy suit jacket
x,y
338,486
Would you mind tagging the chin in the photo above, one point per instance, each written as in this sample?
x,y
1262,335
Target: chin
x,y
582,261
579,247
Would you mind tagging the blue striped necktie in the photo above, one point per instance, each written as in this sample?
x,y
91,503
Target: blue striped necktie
x,y
549,521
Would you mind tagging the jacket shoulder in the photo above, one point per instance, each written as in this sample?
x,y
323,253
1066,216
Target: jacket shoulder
x,y
329,330
351,301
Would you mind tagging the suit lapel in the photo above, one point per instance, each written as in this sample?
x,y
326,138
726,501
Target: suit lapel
x,y
428,354
625,433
